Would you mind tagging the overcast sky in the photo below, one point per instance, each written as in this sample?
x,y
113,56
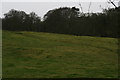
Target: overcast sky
x,y
43,6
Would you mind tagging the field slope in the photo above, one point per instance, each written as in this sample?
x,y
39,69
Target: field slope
x,y
47,55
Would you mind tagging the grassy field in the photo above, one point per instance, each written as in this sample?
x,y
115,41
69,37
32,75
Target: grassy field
x,y
47,55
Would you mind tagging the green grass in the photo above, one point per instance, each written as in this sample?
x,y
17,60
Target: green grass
x,y
47,55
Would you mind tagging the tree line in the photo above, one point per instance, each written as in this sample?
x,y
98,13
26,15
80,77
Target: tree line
x,y
66,20
20,21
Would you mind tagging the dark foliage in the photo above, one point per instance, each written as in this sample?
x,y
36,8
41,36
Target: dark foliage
x,y
70,21
66,21
20,21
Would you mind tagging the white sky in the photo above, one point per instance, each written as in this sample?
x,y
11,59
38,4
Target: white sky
x,y
41,7
56,0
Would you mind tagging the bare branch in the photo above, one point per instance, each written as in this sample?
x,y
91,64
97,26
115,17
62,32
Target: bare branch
x,y
113,3
81,7
89,7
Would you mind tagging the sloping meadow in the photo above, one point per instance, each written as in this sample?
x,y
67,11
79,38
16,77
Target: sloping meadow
x,y
47,55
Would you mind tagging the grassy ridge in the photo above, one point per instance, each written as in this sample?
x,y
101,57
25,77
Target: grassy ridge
x,y
46,55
